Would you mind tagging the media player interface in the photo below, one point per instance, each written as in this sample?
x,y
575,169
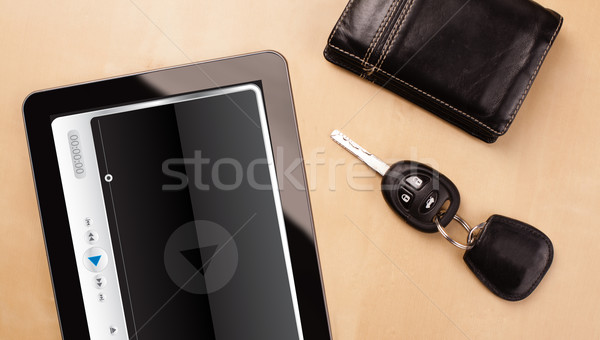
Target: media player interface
x,y
176,219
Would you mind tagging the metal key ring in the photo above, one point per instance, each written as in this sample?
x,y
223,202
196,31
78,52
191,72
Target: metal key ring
x,y
473,236
462,222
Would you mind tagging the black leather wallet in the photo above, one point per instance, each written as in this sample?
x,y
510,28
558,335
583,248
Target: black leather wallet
x,y
471,62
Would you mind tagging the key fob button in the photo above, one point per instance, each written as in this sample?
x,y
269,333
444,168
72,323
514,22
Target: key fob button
x,y
399,192
416,182
405,197
429,203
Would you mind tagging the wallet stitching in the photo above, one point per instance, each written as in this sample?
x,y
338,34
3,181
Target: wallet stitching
x,y
387,41
391,39
514,114
439,100
417,89
535,232
341,63
384,24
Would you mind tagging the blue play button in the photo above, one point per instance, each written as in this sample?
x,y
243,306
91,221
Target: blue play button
x,y
95,259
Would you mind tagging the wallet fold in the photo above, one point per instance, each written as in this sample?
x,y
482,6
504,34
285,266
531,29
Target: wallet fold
x,y
470,62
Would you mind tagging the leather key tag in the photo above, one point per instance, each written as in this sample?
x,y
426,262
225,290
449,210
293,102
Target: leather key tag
x,y
510,257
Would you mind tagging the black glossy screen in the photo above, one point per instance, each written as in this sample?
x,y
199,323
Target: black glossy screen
x,y
193,221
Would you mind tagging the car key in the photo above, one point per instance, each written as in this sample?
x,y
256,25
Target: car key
x,y
508,256
414,190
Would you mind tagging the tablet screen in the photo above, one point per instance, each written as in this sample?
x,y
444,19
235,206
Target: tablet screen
x,y
176,218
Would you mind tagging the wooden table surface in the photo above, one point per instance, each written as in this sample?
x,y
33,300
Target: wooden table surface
x,y
383,279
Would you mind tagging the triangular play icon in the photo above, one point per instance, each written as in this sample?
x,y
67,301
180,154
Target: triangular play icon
x,y
95,259
197,257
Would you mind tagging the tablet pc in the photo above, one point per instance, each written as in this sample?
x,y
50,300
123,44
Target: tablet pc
x,y
174,204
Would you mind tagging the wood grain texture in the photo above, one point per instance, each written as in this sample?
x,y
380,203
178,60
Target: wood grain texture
x,y
383,279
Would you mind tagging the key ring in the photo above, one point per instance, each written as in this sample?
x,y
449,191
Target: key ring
x,y
470,238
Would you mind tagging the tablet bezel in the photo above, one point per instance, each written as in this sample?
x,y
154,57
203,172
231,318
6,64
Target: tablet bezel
x,y
266,69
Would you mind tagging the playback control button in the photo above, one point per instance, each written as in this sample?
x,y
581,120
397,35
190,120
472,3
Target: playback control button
x,y
91,236
95,259
100,281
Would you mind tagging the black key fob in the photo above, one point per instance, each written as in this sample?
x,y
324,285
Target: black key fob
x,y
510,257
417,193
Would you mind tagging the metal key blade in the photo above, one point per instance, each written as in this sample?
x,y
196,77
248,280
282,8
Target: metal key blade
x,y
371,160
